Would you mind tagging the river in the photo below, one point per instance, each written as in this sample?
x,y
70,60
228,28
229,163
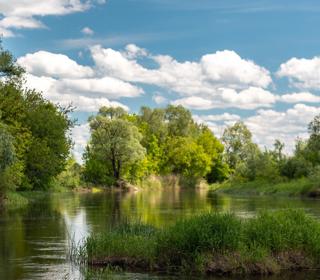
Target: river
x,y
34,241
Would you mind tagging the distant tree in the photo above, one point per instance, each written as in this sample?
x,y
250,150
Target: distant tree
x,y
112,112
313,144
70,177
238,144
278,150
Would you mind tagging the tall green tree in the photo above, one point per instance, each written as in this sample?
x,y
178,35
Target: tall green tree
x,y
39,128
115,142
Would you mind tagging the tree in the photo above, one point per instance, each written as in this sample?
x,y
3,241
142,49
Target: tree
x,y
49,126
238,144
9,69
187,158
116,142
39,128
7,158
112,112
313,145
219,170
179,121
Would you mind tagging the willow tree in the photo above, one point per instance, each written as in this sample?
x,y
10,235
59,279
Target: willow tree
x,y
116,143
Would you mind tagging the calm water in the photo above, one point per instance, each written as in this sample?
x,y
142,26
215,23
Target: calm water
x,y
34,241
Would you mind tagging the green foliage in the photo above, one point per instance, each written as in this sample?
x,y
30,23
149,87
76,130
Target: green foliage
x,y
70,177
238,143
38,128
312,152
186,157
115,142
172,141
284,231
7,151
213,242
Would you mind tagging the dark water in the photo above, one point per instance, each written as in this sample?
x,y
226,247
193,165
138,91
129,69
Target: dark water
x,y
34,240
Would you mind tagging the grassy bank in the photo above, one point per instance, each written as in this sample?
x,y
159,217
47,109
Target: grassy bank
x,y
211,244
299,187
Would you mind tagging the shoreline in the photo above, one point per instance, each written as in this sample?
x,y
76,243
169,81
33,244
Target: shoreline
x,y
303,187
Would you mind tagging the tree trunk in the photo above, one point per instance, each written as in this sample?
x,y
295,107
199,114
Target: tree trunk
x,y
114,167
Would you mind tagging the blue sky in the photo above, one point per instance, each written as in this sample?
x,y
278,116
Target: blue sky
x,y
255,61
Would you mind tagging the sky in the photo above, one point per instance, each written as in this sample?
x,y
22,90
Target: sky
x,y
226,61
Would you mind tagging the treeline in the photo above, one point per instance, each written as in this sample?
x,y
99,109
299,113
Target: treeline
x,y
248,162
154,142
34,141
167,141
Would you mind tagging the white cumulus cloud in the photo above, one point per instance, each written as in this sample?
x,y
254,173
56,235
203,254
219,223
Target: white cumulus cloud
x,y
43,63
302,73
21,14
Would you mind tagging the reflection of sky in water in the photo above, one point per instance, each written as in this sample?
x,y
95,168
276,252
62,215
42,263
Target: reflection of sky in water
x,y
76,226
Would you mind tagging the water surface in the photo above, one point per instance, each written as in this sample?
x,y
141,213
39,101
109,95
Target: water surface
x,y
34,241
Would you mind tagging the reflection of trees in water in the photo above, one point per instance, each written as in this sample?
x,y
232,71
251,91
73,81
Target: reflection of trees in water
x,y
27,236
160,207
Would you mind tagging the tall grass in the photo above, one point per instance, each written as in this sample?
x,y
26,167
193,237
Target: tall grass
x,y
302,186
210,243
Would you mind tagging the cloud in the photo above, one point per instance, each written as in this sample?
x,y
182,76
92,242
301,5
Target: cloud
x,y
159,99
44,63
87,95
268,125
111,40
228,67
133,51
299,97
21,14
80,135
194,102
222,117
213,70
87,31
248,99
223,76
302,73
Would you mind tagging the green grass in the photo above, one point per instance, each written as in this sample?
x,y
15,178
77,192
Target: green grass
x,y
15,200
298,187
211,243
22,199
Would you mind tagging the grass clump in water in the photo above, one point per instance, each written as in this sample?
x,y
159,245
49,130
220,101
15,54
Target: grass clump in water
x,y
213,243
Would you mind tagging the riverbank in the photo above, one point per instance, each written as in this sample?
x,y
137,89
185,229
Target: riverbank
x,y
308,187
210,244
21,199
